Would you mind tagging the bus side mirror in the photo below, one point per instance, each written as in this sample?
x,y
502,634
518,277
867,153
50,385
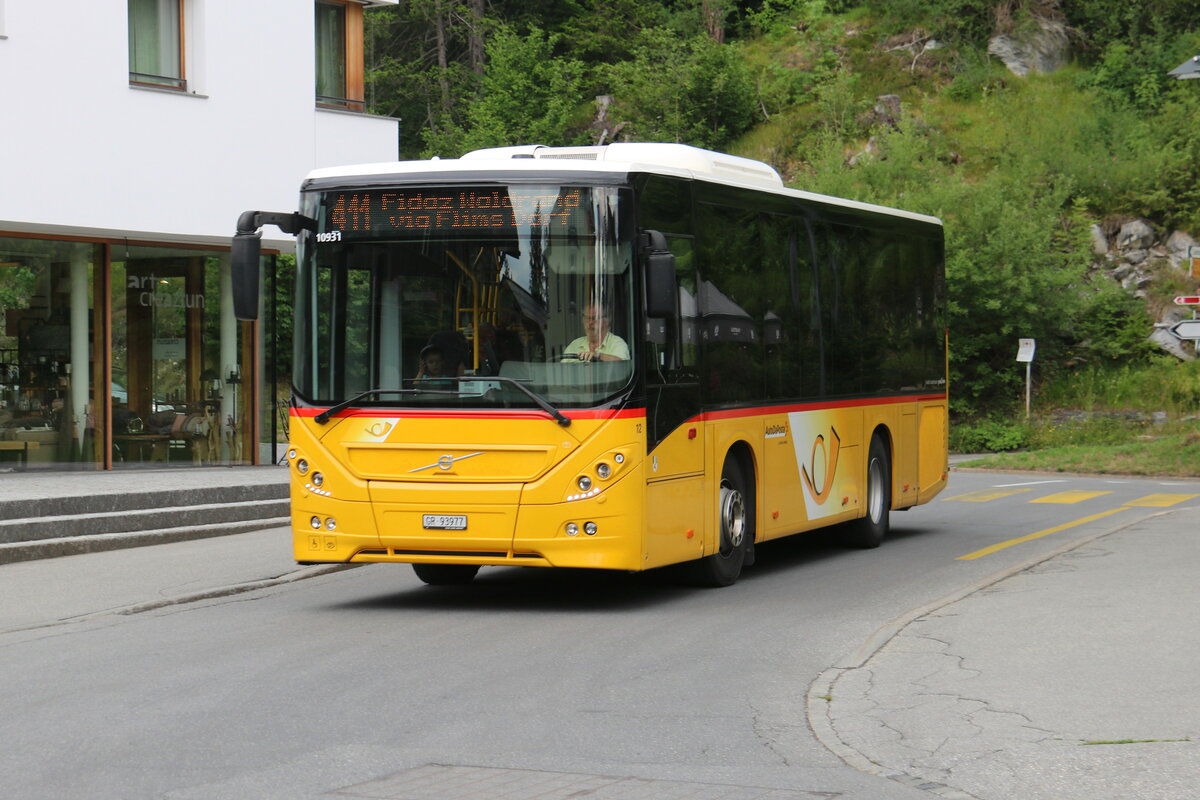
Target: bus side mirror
x,y
662,290
246,249
243,267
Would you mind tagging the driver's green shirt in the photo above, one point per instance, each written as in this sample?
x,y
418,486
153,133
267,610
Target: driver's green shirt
x,y
612,345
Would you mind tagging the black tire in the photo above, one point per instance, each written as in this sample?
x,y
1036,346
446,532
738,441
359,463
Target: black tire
x,y
869,532
736,522
446,574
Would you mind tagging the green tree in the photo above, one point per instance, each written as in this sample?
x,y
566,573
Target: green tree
x,y
526,96
696,91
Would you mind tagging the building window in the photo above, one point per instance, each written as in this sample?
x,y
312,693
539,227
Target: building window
x,y
52,384
339,54
180,360
156,43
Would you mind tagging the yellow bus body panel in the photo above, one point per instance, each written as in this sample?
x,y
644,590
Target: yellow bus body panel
x,y
516,481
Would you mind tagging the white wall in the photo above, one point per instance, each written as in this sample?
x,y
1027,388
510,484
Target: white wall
x,y
82,151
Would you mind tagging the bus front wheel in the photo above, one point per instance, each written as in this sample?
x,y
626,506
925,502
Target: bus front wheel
x,y
869,531
446,574
723,567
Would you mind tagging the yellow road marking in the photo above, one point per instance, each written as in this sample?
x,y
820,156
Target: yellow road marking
x,y
1065,498
1002,545
1161,500
983,495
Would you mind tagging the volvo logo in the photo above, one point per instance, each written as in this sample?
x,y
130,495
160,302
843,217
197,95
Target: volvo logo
x,y
445,462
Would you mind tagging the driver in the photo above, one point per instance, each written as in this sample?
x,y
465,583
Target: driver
x,y
598,343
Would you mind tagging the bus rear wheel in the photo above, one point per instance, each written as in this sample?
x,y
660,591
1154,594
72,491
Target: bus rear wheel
x,y
869,531
446,574
723,567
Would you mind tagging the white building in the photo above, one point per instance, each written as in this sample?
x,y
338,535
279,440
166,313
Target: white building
x,y
134,133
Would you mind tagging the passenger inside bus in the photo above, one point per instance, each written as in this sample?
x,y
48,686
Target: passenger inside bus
x,y
444,356
431,363
598,343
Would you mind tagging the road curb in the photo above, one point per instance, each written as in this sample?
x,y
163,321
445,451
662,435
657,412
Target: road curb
x,y
821,692
294,576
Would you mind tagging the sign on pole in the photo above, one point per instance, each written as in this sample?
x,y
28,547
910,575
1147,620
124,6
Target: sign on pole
x,y
1025,351
1188,329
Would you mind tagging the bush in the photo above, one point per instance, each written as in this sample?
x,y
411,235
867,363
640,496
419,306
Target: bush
x,y
988,436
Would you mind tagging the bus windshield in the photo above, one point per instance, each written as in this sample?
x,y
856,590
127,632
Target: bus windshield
x,y
495,295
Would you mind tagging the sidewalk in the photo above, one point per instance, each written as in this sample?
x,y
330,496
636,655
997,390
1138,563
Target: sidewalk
x,y
50,485
1073,679
52,590
55,590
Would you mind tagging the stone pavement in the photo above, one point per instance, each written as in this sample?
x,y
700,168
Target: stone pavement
x,y
1073,678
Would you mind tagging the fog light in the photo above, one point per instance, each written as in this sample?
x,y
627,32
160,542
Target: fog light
x,y
603,470
331,524
316,523
318,478
590,528
572,529
302,466
585,483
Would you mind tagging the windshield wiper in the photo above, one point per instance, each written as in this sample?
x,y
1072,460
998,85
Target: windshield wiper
x,y
324,416
542,402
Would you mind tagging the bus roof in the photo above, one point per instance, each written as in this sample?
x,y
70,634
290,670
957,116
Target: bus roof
x,y
678,160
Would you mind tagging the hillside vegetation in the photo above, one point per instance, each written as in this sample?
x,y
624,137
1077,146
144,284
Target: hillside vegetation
x,y
887,101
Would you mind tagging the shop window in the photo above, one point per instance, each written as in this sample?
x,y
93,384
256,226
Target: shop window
x,y
180,391
156,43
51,357
339,55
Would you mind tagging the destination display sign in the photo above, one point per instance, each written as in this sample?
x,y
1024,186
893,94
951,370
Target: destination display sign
x,y
373,213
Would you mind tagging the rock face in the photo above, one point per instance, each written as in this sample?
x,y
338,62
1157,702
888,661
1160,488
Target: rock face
x,y
1043,48
1133,256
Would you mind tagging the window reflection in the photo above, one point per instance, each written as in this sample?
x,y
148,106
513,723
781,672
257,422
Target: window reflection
x,y
49,381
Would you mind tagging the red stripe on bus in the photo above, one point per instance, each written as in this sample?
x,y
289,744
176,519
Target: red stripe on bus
x,y
819,405
516,413
627,413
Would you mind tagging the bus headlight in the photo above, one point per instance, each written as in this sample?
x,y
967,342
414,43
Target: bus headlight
x,y
315,522
590,528
302,466
585,483
331,524
318,478
572,529
603,470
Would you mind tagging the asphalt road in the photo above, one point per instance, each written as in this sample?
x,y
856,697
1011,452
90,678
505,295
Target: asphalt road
x,y
366,683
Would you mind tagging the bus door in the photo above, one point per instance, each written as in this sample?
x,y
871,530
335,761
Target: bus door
x,y
675,441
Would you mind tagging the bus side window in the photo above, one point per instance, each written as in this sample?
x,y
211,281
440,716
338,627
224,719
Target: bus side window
x,y
730,299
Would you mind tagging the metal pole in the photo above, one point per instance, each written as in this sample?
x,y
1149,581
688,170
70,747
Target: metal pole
x,y
1028,365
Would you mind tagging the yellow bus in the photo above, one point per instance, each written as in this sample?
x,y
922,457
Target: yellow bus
x,y
618,357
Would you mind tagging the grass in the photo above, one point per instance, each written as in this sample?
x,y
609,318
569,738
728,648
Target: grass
x,y
1126,420
1167,455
